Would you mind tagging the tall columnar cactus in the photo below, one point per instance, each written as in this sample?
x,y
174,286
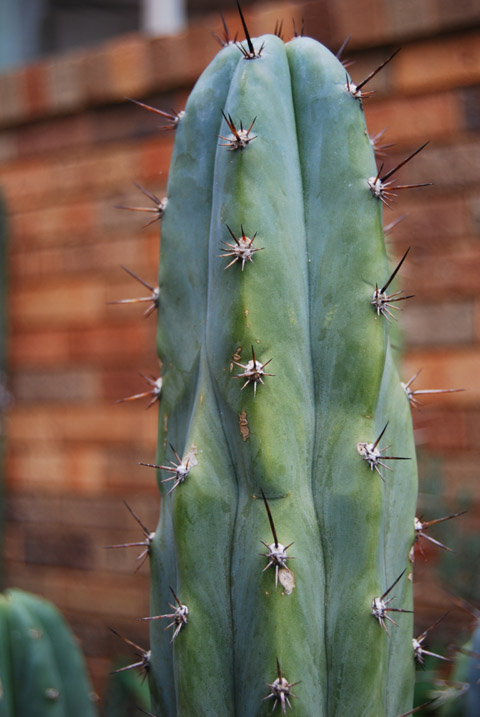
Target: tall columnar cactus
x,y
286,458
42,671
5,397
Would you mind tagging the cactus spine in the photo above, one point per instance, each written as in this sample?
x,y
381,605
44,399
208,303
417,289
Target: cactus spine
x,y
311,431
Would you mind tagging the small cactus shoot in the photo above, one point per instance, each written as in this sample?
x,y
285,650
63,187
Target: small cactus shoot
x,y
42,670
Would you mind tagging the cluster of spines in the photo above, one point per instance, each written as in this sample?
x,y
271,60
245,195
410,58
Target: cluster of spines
x,y
383,188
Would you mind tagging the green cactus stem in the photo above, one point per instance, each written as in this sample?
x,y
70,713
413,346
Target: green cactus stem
x,y
283,421
42,670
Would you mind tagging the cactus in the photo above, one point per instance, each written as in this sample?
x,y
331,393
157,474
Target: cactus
x,y
42,670
280,571
5,398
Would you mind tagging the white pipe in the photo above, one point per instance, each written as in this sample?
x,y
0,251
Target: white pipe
x,y
163,17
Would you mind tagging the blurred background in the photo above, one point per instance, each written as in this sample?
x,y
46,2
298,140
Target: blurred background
x,y
71,147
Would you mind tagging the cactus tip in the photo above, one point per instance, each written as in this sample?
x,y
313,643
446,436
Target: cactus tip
x,y
250,53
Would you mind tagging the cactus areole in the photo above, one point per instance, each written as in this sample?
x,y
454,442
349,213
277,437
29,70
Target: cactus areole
x,y
276,367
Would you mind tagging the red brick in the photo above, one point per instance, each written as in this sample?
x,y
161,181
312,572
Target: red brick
x,y
96,79
54,223
13,91
14,542
58,304
462,13
155,159
449,167
445,431
64,77
140,253
83,591
97,423
366,19
38,101
8,145
112,345
129,65
105,511
461,475
411,120
410,18
179,60
476,319
38,348
58,546
453,275
438,64
437,323
473,203
70,384
52,135
431,222
92,173
40,466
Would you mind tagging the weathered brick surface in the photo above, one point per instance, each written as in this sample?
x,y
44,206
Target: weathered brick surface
x,y
415,119
452,368
432,223
70,148
439,64
434,324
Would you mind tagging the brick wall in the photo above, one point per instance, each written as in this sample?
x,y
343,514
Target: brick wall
x,y
70,148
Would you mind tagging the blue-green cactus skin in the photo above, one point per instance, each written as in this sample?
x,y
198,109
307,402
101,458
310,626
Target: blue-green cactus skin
x,y
42,671
301,184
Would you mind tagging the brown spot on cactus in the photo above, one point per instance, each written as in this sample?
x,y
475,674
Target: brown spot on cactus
x,y
243,426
